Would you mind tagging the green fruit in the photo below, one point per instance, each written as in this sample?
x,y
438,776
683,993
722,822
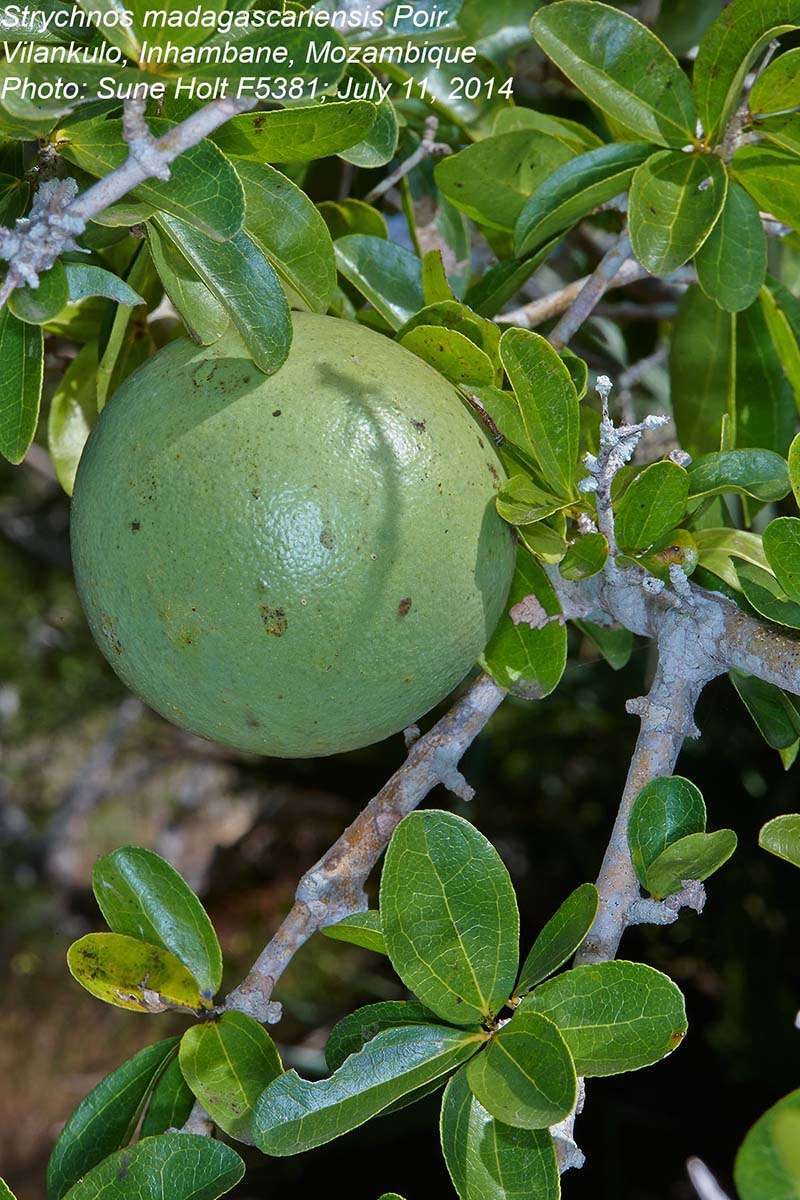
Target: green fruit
x,y
297,564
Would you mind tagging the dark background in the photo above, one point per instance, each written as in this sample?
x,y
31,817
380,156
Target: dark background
x,y
86,769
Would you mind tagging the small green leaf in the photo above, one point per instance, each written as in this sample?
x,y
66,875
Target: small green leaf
x,y
529,662
5,1191
544,542
173,1166
525,1077
574,135
227,1064
717,548
665,810
602,51
651,506
781,540
521,502
548,403
84,281
575,189
775,714
761,474
21,371
781,836
170,1102
291,135
294,1115
73,411
614,1016
379,145
615,644
766,595
204,316
132,974
674,203
777,89
766,406
387,275
563,934
702,370
360,929
353,1032
731,264
451,353
695,856
141,895
677,548
449,917
37,306
767,1166
106,1119
772,177
353,216
488,1160
585,557
782,131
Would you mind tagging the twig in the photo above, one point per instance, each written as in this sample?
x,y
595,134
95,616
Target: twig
x,y
428,148
598,283
539,311
703,1181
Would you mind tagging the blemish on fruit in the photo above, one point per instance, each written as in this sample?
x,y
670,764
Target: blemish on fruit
x,y
420,425
275,620
255,493
135,526
326,539
404,607
277,412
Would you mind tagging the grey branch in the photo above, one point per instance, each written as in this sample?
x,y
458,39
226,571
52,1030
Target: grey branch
x,y
428,148
538,311
58,215
592,291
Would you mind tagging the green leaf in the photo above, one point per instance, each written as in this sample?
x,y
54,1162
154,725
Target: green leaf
x,y
488,1160
781,836
131,974
73,411
227,1064
782,131
294,1115
731,264
39,305
449,917
548,403
106,1119
586,556
729,49
784,339
545,542
451,354
173,1166
450,314
766,409
665,810
615,644
717,548
772,177
353,1032
794,467
387,275
761,474
602,51
243,280
702,368
674,203
170,1102
767,1166
203,189
576,189
204,316
521,502
614,1016
141,895
766,595
379,145
529,662
563,934
774,713
525,1077
777,89
5,1191
574,135
353,216
291,135
781,540
693,857
84,280
492,179
360,929
21,370
651,506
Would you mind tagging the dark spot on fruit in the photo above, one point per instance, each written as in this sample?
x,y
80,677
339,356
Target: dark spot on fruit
x,y
255,493
252,721
420,425
277,412
135,526
404,607
493,472
275,621
185,639
326,539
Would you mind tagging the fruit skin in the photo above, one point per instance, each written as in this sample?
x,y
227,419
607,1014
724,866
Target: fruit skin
x,y
298,564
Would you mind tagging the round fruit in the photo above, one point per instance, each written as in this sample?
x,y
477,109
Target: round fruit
x,y
297,564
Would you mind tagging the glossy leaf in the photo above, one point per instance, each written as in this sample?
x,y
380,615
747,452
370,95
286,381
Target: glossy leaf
x,y
521,502
574,135
73,411
652,505
352,1033
387,275
353,216
575,189
717,548
781,540
775,714
141,895
5,1191
563,934
674,203
766,408
602,51
204,316
728,50
37,306
767,1166
766,595
245,283
294,1115
585,557
132,974
693,857
488,1160
525,1077
227,1064
614,1016
449,917
360,929
297,134
784,340
702,370
84,280
529,662
777,89
761,474
544,541
772,177
106,1119
173,1166
379,145
731,264
665,810
21,370
451,354
170,1102
781,836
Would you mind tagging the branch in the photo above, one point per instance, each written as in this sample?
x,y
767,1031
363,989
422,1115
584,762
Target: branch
x,y
58,215
592,291
428,148
539,311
